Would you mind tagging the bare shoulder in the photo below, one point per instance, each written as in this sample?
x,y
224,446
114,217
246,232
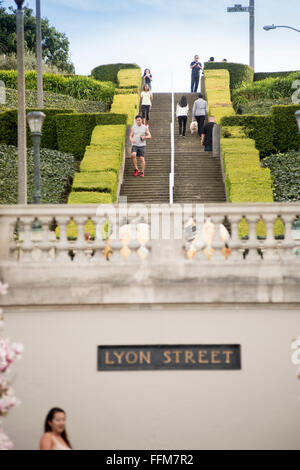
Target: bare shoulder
x,y
46,442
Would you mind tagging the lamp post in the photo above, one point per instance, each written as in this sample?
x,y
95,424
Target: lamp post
x,y
35,120
273,26
22,150
297,116
251,10
39,55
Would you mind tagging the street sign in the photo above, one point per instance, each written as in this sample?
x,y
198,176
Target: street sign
x,y
237,8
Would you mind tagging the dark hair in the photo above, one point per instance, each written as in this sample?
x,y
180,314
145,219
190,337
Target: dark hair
x,y
200,95
146,84
183,102
145,72
224,60
211,59
138,116
50,417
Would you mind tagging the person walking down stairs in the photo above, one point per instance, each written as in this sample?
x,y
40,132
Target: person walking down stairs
x,y
146,102
138,136
182,111
207,135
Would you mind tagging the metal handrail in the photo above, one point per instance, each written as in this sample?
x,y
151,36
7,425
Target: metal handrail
x,y
171,175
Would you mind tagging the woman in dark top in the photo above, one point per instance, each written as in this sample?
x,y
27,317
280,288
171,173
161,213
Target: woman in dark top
x,y
148,78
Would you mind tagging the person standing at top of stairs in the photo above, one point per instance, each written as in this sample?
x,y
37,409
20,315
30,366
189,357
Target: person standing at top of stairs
x,y
199,112
196,68
138,136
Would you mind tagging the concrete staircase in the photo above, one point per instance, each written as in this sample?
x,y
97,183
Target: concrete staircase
x,y
198,176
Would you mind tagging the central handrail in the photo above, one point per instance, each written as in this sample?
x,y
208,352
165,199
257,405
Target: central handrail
x,y
171,175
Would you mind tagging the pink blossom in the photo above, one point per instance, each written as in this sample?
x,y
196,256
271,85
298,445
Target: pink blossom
x,y
5,443
3,288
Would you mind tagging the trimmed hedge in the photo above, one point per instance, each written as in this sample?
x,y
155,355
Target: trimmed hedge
x,y
258,76
218,94
74,131
285,170
53,101
126,104
78,87
57,170
9,128
130,78
259,128
89,197
93,161
239,73
109,72
126,91
106,181
245,180
286,135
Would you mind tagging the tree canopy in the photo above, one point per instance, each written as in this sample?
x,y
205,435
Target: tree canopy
x,y
55,45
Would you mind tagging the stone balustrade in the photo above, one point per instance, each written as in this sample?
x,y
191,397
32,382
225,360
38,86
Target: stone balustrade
x,y
252,251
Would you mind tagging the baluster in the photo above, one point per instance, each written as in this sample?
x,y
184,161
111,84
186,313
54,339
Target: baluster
x,y
27,245
217,244
45,243
99,244
270,244
252,244
288,243
235,242
63,246
80,245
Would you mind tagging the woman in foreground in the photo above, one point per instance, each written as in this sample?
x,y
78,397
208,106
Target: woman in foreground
x,y
55,436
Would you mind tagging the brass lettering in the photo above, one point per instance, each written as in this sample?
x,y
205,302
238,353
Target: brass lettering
x,y
119,356
167,358
189,357
145,357
227,355
131,361
177,353
213,357
201,359
107,360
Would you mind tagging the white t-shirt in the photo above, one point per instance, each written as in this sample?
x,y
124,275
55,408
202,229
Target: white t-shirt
x,y
146,98
182,111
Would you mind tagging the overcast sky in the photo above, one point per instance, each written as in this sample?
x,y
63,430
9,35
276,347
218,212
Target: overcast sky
x,y
164,35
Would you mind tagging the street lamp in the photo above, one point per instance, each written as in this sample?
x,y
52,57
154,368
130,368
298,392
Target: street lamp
x,y
35,120
297,116
251,10
273,26
22,151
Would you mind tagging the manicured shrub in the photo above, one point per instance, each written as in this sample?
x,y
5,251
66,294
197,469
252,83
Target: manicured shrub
x,y
9,126
285,171
109,72
53,100
126,104
239,73
286,136
130,78
126,91
78,87
110,118
259,128
261,107
104,181
258,76
57,170
245,180
74,132
109,137
89,197
218,93
95,160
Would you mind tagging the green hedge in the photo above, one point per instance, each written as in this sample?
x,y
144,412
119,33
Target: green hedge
x,y
9,128
78,87
286,136
126,104
57,170
89,197
245,180
130,78
107,161
74,131
239,73
109,72
270,88
259,128
218,93
285,171
105,182
258,76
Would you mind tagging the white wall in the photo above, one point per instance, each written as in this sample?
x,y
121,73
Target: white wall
x,y
255,408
